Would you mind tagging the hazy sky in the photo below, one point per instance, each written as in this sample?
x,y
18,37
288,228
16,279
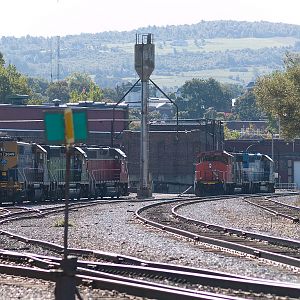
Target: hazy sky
x,y
62,17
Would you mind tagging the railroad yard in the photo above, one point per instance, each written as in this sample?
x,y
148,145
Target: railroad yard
x,y
120,252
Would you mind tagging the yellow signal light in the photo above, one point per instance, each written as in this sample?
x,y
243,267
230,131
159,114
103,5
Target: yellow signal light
x,y
69,127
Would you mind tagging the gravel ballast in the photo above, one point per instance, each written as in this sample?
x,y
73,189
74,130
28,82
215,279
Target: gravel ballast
x,y
113,227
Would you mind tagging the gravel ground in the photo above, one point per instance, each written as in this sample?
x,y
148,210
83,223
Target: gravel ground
x,y
114,228
240,214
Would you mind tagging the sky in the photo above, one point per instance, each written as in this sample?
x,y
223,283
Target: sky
x,y
65,17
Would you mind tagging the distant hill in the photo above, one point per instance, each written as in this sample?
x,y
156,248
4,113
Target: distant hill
x,y
230,51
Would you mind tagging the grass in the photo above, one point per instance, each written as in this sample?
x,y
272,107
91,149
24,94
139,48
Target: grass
x,y
220,44
222,75
61,223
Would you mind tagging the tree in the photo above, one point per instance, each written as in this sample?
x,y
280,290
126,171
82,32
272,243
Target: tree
x,y
79,82
2,62
58,90
94,93
245,107
17,81
5,88
82,88
11,81
279,95
197,95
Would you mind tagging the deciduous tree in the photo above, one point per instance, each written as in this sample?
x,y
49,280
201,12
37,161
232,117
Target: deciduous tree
x,y
279,95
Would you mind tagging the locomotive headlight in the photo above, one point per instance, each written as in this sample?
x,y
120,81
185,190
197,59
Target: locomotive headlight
x,y
3,173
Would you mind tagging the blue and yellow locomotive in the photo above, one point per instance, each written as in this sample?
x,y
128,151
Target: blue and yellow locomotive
x,y
23,171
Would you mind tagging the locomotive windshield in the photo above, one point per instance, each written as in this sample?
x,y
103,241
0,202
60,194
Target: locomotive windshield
x,y
219,158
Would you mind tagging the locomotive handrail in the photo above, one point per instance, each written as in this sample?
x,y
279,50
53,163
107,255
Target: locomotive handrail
x,y
40,172
59,175
215,174
22,174
286,186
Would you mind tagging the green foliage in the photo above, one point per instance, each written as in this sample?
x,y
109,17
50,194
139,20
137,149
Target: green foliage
x,y
79,82
197,95
5,87
279,95
2,62
93,93
11,81
245,107
58,90
231,134
35,101
109,93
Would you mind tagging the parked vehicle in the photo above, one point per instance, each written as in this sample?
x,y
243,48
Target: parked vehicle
x,y
32,172
220,172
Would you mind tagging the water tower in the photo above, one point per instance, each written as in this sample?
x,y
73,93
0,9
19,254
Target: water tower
x,y
144,52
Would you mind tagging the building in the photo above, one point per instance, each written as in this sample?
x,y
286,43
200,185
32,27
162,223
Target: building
x,y
172,151
27,121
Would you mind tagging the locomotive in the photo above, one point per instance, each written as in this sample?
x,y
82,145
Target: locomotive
x,y
33,172
220,172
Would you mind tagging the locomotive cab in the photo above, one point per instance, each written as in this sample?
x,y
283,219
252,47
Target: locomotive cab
x,y
23,171
214,173
254,172
107,167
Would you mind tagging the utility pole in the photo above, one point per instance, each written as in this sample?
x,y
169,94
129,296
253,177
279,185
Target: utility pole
x,y
144,66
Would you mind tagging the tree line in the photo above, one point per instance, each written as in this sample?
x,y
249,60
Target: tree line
x,y
275,96
101,55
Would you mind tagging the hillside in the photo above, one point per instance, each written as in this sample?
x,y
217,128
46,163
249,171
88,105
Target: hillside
x,y
230,51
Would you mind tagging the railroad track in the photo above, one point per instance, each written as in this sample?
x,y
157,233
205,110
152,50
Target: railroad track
x,y
14,213
134,276
147,279
276,208
273,249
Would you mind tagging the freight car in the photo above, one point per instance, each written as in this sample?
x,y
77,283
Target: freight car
x,y
32,172
220,172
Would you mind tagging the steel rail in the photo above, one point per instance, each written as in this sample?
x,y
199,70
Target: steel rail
x,y
255,285
122,284
151,291
291,243
277,208
233,243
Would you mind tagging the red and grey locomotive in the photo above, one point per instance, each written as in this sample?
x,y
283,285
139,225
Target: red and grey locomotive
x,y
219,172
